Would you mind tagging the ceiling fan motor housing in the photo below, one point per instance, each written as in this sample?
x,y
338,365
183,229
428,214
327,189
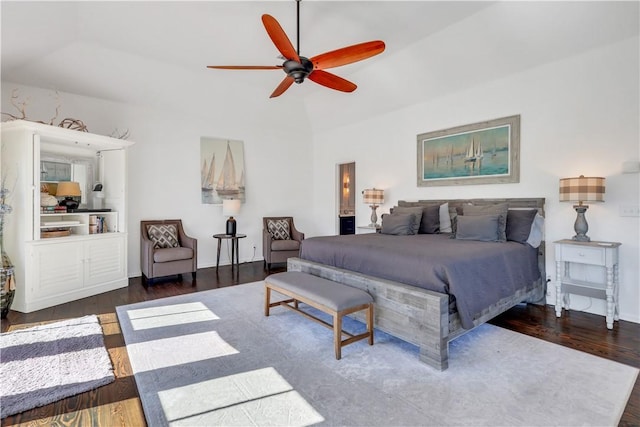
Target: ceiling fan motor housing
x,y
298,70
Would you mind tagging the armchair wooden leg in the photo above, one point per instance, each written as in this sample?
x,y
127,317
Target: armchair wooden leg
x,y
193,274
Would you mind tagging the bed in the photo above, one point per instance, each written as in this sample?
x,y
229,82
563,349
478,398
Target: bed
x,y
429,288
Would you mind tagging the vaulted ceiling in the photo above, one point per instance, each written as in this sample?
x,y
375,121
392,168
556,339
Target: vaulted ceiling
x,y
154,54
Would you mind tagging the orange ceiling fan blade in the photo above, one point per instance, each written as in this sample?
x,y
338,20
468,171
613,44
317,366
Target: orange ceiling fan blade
x,y
331,81
279,38
347,55
284,85
245,67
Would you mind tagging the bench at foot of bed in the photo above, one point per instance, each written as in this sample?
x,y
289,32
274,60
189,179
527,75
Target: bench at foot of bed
x,y
330,297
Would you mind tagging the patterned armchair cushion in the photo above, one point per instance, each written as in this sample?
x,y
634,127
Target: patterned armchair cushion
x,y
163,236
279,229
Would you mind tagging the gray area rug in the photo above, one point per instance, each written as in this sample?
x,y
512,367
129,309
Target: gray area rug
x,y
213,358
46,363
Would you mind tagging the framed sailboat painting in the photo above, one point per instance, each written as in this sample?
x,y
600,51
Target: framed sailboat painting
x,y
480,153
221,170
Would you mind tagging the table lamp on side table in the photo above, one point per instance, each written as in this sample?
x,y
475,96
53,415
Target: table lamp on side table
x,y
373,197
581,189
231,207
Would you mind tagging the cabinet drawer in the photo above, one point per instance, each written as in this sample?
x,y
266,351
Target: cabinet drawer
x,y
583,255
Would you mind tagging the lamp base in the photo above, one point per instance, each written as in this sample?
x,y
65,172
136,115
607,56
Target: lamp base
x,y
69,203
580,226
374,216
231,227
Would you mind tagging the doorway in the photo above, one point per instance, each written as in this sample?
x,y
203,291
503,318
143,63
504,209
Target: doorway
x,y
347,198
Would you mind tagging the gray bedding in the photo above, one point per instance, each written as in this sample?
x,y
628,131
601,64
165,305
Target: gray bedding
x,y
477,274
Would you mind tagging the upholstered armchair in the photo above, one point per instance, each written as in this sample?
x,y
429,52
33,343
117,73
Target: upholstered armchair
x,y
166,250
280,240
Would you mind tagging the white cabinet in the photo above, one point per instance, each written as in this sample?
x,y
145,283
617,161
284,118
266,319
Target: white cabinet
x,y
589,269
61,270
83,261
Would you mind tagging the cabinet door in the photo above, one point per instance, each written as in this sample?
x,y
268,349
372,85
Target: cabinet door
x,y
57,269
105,260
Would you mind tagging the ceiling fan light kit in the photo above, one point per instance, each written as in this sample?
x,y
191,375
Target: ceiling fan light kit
x,y
298,68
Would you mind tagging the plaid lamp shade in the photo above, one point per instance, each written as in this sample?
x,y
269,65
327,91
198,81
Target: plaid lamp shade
x,y
582,189
373,196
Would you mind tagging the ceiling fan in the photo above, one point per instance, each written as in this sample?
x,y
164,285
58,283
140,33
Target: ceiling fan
x,y
299,67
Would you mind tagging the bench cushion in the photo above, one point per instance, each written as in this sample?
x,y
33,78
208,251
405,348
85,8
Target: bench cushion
x,y
336,296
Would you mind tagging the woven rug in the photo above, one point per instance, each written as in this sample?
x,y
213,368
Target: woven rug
x,y
46,363
213,358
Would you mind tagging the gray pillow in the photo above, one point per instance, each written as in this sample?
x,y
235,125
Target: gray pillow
x,y
430,223
399,224
519,224
484,228
415,211
497,209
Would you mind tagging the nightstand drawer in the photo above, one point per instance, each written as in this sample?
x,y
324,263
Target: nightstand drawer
x,y
583,255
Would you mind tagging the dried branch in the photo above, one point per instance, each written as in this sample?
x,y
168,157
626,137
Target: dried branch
x,y
117,134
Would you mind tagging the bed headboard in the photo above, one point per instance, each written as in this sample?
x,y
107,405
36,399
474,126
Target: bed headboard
x,y
514,203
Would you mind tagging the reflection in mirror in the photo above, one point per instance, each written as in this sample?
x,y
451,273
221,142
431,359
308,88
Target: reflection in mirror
x,y
55,168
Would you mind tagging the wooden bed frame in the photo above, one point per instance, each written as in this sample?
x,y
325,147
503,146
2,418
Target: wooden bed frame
x,y
420,316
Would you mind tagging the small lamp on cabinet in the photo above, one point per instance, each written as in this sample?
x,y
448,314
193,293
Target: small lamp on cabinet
x,y
581,189
68,190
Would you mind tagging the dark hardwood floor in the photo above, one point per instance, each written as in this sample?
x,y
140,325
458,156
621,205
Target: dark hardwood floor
x,y
118,403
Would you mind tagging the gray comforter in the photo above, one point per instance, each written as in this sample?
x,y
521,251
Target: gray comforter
x,y
477,274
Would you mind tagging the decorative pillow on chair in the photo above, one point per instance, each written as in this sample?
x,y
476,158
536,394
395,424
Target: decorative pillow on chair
x,y
279,229
163,236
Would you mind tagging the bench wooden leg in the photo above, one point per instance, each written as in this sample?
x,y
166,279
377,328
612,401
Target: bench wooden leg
x,y
370,323
337,334
267,300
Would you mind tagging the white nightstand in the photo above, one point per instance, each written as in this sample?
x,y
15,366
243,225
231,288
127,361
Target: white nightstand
x,y
363,229
602,256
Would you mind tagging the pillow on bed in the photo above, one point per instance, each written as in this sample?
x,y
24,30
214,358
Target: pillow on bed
x,y
430,223
497,209
445,219
519,224
453,215
485,228
399,224
415,211
537,231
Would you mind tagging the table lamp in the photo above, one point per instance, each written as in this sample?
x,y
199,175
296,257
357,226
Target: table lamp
x,y
581,189
231,207
373,197
68,190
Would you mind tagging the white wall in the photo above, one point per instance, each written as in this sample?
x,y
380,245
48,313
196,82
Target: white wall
x,y
579,115
164,164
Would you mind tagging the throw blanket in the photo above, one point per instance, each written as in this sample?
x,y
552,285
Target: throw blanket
x,y
477,274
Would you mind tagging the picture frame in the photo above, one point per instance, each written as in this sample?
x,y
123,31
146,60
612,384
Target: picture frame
x,y
222,170
479,153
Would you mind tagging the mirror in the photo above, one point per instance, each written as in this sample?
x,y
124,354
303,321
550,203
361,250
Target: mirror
x,y
55,168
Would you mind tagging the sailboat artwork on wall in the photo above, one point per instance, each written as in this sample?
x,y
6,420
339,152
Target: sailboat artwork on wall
x,y
457,156
221,180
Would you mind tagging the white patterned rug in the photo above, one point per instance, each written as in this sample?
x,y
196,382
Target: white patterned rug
x,y
213,358
46,363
